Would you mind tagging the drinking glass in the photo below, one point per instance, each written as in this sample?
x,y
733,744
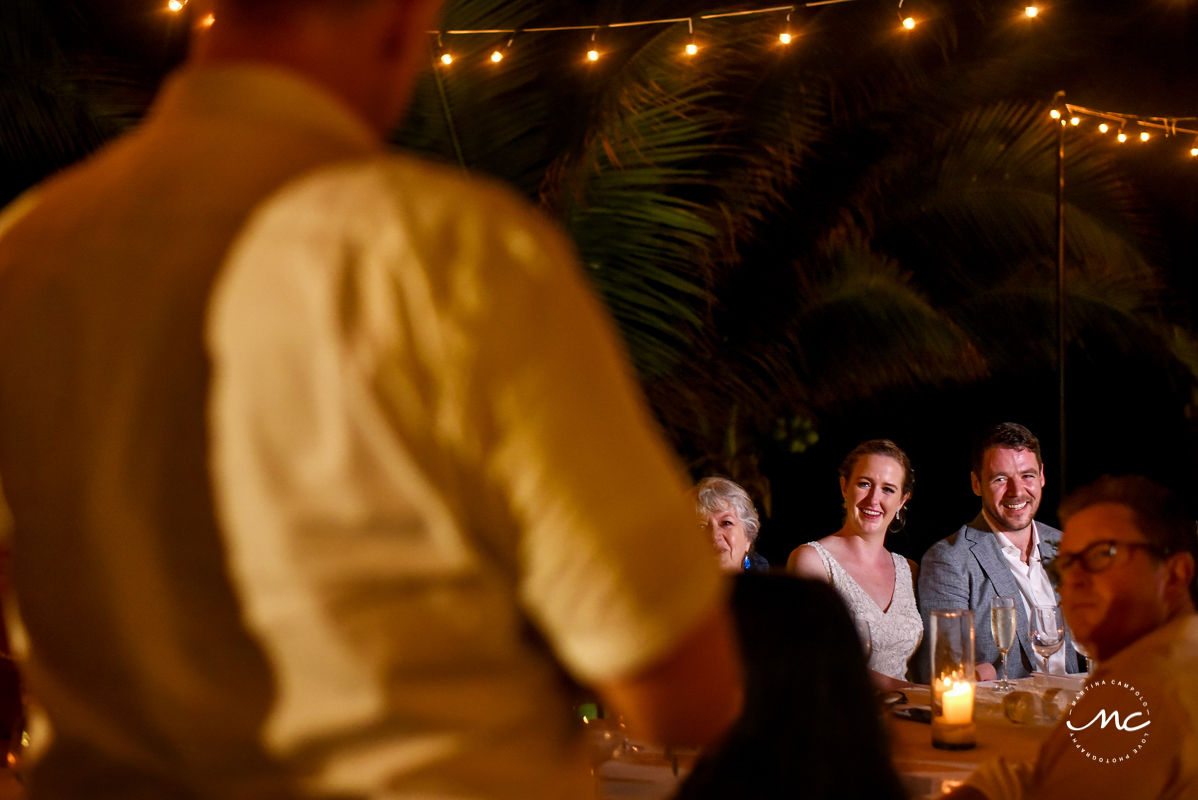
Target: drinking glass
x,y
1002,627
864,634
1046,627
951,646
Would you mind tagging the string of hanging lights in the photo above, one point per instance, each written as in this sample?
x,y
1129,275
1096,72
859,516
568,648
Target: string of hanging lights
x,y
1123,127
445,57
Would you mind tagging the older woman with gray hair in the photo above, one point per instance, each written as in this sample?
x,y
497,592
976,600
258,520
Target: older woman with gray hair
x,y
726,512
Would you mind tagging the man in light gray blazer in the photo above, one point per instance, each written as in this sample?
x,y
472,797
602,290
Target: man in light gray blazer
x,y
1002,552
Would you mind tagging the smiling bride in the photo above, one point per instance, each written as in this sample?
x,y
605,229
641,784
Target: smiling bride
x,y
877,586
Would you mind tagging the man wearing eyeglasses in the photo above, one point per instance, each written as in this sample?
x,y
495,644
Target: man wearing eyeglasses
x,y
1001,553
1126,568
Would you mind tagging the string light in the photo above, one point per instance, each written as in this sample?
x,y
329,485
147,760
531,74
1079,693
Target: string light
x,y
691,47
443,55
644,22
785,37
498,54
1147,125
593,53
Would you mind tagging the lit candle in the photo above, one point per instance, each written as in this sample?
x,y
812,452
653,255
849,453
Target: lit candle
x,y
956,702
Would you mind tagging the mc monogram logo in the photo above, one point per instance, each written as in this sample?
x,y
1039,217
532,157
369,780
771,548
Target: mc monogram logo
x,y
1109,722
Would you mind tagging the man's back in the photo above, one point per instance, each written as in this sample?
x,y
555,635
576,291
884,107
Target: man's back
x,y
103,288
311,533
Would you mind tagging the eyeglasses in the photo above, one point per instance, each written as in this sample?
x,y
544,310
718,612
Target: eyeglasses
x,y
1098,557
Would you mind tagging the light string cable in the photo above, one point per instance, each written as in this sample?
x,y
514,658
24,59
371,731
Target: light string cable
x,y
445,58
1071,114
642,22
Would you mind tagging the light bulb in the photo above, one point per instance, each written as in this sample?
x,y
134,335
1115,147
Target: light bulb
x,y
691,48
1103,127
1194,151
784,37
1145,136
447,58
208,21
1031,11
909,23
1075,120
1055,114
1122,137
496,57
175,5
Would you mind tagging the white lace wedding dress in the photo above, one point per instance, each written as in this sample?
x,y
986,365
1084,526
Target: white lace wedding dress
x,y
896,632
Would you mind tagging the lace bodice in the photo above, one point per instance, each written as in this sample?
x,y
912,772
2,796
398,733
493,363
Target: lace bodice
x,y
895,632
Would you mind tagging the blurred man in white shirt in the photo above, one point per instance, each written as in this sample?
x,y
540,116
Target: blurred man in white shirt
x,y
324,464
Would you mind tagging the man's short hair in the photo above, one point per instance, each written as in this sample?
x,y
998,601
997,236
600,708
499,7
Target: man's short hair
x,y
1010,435
1159,513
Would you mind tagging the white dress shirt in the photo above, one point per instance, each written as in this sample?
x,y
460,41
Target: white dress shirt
x,y
1034,586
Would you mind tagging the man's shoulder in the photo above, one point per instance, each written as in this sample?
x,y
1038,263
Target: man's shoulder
x,y
1047,533
435,204
427,185
963,539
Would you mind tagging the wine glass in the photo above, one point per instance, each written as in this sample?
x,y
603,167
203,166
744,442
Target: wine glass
x,y
863,633
1047,630
1002,627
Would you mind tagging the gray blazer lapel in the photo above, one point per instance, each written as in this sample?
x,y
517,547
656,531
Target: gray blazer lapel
x,y
990,558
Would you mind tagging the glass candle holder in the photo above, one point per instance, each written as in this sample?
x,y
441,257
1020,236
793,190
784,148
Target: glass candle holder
x,y
952,679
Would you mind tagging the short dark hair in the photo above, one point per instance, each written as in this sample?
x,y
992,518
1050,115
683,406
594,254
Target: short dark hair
x,y
1010,435
1159,513
880,447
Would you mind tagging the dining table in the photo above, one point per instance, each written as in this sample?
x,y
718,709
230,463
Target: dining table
x,y
625,768
1011,723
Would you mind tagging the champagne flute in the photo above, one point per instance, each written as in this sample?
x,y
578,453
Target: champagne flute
x,y
1047,630
1002,627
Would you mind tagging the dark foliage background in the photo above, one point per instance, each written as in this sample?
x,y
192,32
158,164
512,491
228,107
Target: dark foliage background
x,y
803,247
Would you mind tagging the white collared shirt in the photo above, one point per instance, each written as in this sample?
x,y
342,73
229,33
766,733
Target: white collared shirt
x,y
1034,586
